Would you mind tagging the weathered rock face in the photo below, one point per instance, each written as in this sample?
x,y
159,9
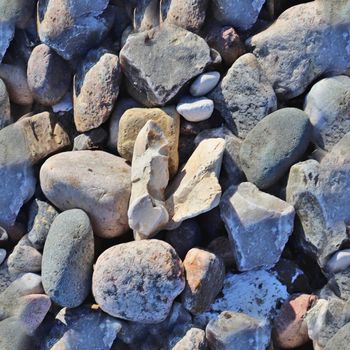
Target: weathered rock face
x,y
173,49
96,88
258,225
196,189
301,46
146,15
146,288
90,140
273,145
134,119
149,177
95,181
5,112
328,106
193,340
244,96
67,259
341,339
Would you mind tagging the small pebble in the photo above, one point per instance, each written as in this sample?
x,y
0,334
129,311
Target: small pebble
x,y
2,255
195,109
339,261
204,83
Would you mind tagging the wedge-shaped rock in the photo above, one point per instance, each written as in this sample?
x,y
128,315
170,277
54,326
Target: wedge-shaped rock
x,y
196,189
258,225
149,177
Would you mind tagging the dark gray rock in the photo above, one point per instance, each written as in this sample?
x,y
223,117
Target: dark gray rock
x,y
5,112
173,49
274,145
93,139
67,258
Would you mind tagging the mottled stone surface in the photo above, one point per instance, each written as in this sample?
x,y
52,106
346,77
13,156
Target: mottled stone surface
x,y
193,340
341,339
5,112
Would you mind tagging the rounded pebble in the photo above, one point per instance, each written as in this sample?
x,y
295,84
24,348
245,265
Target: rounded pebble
x,y
204,83
195,109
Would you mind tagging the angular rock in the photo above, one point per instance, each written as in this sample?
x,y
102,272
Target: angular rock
x,y
93,139
244,96
134,119
339,284
146,15
205,273
95,181
341,339
173,49
237,330
96,88
48,75
193,340
195,109
149,177
195,189
328,107
67,259
144,290
274,145
340,261
5,112
258,225
204,83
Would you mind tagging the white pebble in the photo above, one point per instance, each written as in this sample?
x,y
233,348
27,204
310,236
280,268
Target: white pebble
x,y
339,261
2,255
204,83
195,109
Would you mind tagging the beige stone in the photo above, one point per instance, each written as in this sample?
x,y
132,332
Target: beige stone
x,y
133,121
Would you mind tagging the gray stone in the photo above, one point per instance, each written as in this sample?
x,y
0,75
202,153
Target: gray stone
x,y
5,112
274,145
204,83
339,284
146,288
341,339
193,340
93,139
67,258
237,330
339,261
258,225
146,15
173,49
3,254
328,106
195,109
244,96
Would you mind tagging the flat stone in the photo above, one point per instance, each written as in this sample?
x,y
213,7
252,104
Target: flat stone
x,y
244,96
238,330
328,107
274,145
86,180
340,261
96,88
173,49
67,259
258,225
195,109
203,269
134,119
204,83
5,112
146,288
195,189
193,340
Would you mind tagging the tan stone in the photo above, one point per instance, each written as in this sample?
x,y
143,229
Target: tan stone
x,y
134,119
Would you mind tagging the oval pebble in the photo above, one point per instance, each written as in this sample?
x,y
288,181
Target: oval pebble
x,y
195,109
204,83
339,261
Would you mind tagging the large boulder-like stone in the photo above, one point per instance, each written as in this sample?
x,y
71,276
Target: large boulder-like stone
x,y
95,181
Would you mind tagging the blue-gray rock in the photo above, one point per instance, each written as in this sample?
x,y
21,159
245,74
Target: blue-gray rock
x,y
274,145
93,139
67,259
5,112
194,339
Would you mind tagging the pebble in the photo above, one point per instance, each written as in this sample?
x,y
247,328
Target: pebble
x,y
195,109
5,112
3,254
193,340
67,259
90,140
146,288
340,261
204,83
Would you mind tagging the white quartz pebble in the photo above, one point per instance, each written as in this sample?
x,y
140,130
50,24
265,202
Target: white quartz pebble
x,y
204,83
195,109
339,261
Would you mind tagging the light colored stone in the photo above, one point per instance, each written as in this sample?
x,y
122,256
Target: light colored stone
x,y
339,261
196,189
134,119
149,177
3,254
341,339
195,109
95,181
258,225
5,112
146,15
204,83
193,340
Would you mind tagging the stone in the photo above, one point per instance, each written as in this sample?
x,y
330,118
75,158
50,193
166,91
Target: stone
x,y
238,330
5,112
241,14
93,139
274,145
146,288
149,177
341,339
134,119
339,261
68,258
204,83
328,107
173,49
65,104
3,254
71,29
203,269
279,49
338,283
244,96
85,327
221,247
256,293
186,14
146,15
195,189
193,340
48,75
289,326
195,109
87,180
258,225
96,88
41,216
